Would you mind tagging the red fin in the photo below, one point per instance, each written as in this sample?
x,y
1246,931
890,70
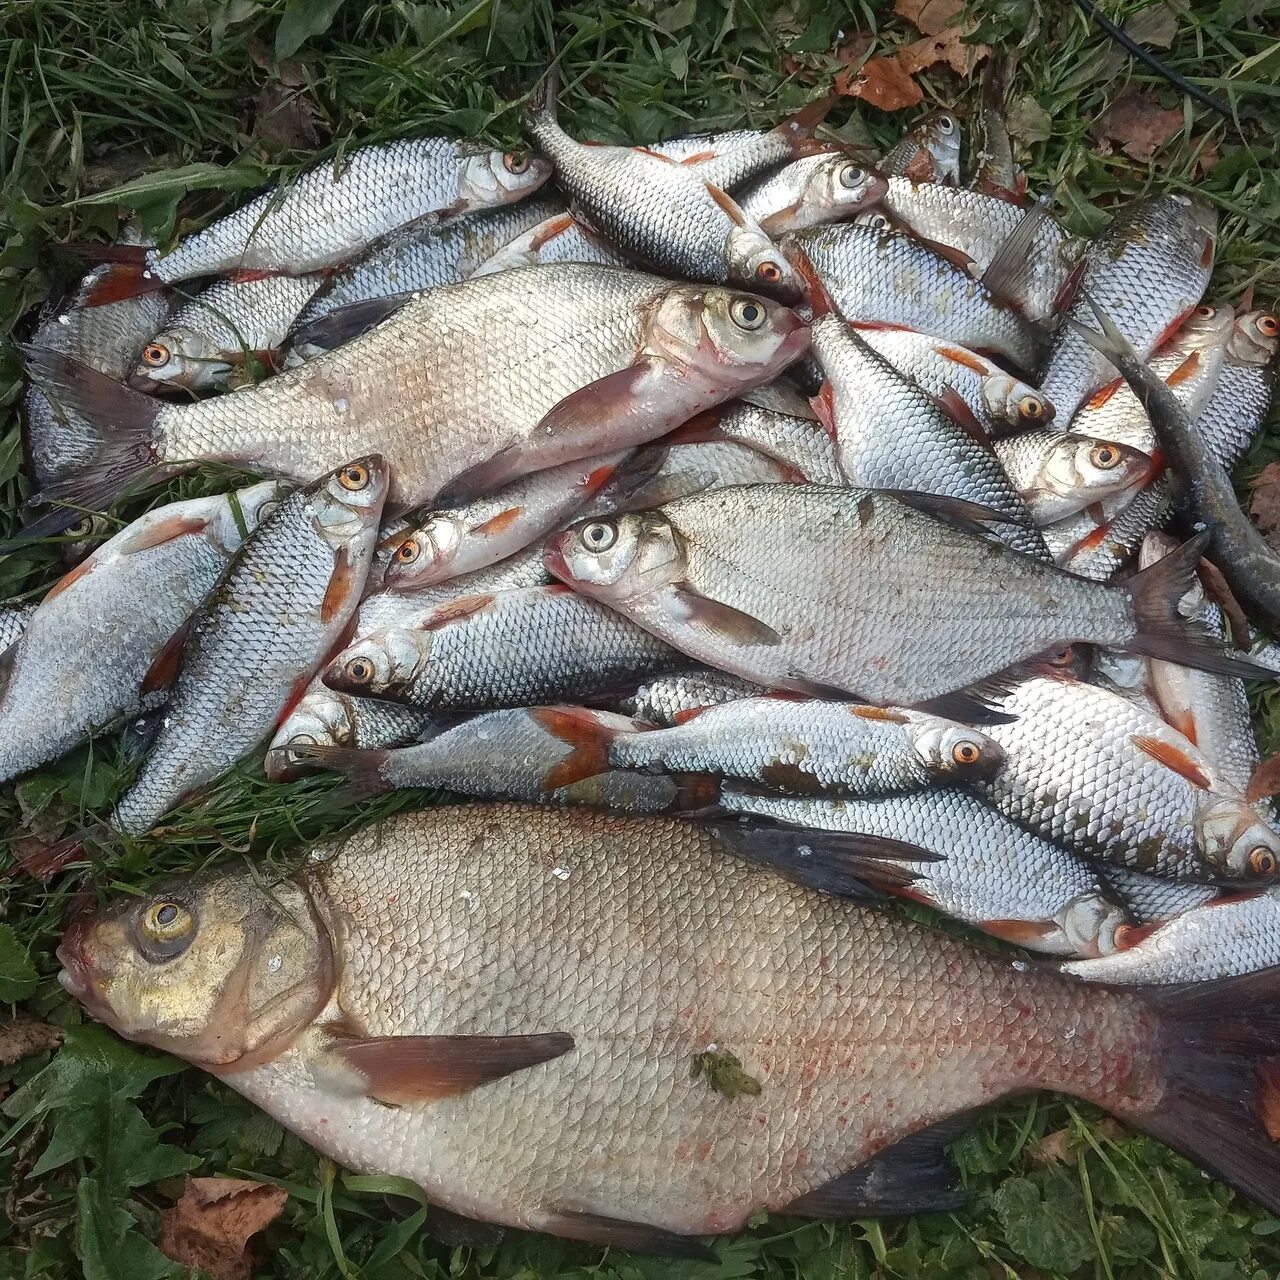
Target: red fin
x,y
1265,780
456,610
778,222
165,666
247,275
1025,933
957,257
657,155
1070,287
159,532
68,580
403,1070
887,714
345,584
1185,370
499,523
45,863
1130,935
121,281
824,405
698,157
956,407
815,291
798,128
689,713
1173,757
1266,1077
596,480
727,203
1100,397
637,1237
882,325
727,622
702,429
1206,256
1185,723
579,729
553,227
1171,329
958,355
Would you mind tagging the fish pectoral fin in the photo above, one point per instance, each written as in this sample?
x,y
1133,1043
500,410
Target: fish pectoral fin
x,y
606,409
156,533
639,1237
730,623
345,585
403,1070
1173,757
848,864
956,407
342,324
165,666
483,478
1008,273
911,1176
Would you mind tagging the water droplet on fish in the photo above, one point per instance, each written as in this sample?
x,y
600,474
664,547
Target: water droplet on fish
x,y
342,404
273,965
1021,966
560,873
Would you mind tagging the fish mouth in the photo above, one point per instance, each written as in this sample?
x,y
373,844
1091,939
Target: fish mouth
x,y
553,558
76,974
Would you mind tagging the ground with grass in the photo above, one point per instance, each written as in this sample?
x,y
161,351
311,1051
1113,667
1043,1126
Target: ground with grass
x,y
171,109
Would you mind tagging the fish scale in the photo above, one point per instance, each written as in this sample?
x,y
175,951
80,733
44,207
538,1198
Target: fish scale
x,y
13,622
666,698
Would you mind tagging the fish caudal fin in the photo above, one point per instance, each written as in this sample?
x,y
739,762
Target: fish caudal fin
x,y
1220,1104
362,769
1162,632
589,740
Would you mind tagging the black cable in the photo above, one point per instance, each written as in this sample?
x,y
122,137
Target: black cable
x,y
1146,56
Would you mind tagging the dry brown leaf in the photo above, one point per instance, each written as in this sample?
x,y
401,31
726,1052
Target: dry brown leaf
x,y
929,17
22,1035
1054,1148
1264,504
211,1226
1265,781
880,82
948,47
286,117
1139,124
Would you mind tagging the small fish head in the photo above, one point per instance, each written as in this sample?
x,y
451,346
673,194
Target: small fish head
x,y
252,505
1079,464
939,133
1255,338
840,187
617,557
84,537
953,750
491,178
875,220
729,339
1236,843
753,261
1092,925
1207,327
322,718
426,554
215,968
349,500
380,665
1013,402
179,357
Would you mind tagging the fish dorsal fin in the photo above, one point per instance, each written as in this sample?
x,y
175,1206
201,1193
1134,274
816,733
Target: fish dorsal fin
x,y
731,624
1006,274
403,1070
1173,757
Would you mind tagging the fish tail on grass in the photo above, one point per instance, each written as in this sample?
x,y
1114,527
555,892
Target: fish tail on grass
x,y
127,277
362,769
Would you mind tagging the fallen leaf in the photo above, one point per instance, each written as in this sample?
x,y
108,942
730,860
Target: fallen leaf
x,y
1028,121
22,1036
1206,158
1054,1148
286,116
1139,124
880,82
947,47
1155,26
1264,504
1265,781
211,1226
929,17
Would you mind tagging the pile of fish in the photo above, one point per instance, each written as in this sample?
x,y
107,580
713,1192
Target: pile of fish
x,y
770,530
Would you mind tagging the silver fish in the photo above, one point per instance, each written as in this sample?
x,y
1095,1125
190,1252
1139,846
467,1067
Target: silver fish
x,y
1153,898
83,660
795,439
1241,398
812,588
1058,474
669,699
560,238
503,649
279,608
1148,270
994,875
928,152
13,622
811,191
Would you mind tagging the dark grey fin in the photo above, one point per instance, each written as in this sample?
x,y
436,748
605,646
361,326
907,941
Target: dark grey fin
x,y
847,864
1218,1101
913,1175
726,621
968,517
140,733
475,482
978,703
362,769
405,1070
455,1230
1161,630
615,1233
7,659
1006,274
806,376
342,324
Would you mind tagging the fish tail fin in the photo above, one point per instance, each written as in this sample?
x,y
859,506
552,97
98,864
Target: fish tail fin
x,y
1162,632
582,730
1220,1102
44,864
122,422
541,112
361,769
798,129
127,273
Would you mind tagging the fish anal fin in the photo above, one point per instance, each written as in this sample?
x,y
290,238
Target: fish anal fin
x,y
404,1070
165,666
1173,757
639,1237
714,615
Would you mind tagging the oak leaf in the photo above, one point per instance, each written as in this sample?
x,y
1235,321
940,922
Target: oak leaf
x,y
882,83
211,1226
1139,124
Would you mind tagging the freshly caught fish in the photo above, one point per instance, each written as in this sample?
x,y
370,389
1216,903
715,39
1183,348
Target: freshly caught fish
x,y
1091,770
883,278
1228,936
487,379
1148,269
1058,473
451,541
801,443
992,874
504,649
82,660
670,699
928,152
511,1007
83,536
805,748
335,211
222,328
811,191
812,588
1021,255
661,212
13,622
509,755
560,238
1153,898
999,401
1241,398
892,434
323,718
695,148
279,608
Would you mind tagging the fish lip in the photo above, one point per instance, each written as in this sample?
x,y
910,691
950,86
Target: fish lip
x,y
554,560
76,975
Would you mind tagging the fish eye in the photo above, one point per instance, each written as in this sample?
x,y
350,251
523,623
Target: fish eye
x,y
360,670
1268,325
1262,862
407,552
155,354
599,535
82,527
946,124
515,161
166,922
769,272
747,313
966,751
852,176
1062,658
1104,456
879,221
354,478
1031,407
1206,311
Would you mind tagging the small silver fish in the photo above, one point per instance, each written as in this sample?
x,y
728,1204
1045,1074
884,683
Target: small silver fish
x,y
670,699
1058,474
928,152
811,191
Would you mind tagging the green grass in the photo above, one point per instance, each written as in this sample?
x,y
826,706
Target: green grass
x,y
94,95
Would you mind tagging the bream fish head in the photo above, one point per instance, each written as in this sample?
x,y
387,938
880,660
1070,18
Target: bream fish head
x,y
216,967
617,557
178,357
491,178
1236,843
